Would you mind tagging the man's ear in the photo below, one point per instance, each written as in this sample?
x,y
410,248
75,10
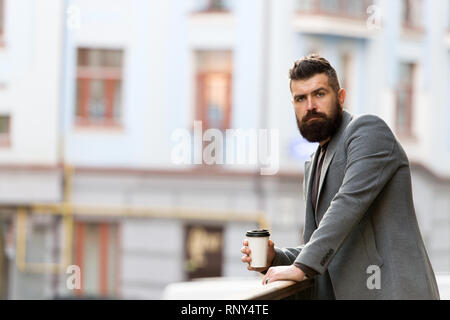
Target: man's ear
x,y
341,96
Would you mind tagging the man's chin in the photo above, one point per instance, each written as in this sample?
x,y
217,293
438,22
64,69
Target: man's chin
x,y
311,140
312,134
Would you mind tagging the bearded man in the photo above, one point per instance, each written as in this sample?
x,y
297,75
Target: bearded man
x,y
360,215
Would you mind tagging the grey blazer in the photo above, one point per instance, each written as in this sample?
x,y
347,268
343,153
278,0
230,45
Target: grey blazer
x,y
365,219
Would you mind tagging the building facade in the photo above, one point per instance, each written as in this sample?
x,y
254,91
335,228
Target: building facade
x,y
92,99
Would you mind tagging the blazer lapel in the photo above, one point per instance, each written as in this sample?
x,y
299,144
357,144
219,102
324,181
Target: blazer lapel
x,y
306,174
331,150
310,220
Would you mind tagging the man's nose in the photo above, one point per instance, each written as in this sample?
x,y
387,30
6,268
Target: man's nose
x,y
309,104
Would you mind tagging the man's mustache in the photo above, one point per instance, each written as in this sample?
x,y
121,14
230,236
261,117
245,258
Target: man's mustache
x,y
313,115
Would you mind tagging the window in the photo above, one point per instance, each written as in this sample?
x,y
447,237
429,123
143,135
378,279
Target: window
x,y
96,253
213,5
5,128
345,71
99,87
404,103
412,13
203,248
6,243
216,5
214,89
306,5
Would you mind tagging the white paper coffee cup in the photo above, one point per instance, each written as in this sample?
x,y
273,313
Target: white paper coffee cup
x,y
258,243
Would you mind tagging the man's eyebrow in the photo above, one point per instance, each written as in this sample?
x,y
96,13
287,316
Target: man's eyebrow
x,y
315,91
299,96
320,89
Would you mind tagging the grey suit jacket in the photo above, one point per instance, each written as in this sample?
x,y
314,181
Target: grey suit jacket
x,y
365,229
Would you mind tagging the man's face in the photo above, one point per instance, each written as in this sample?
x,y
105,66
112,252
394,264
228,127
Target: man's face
x,y
317,107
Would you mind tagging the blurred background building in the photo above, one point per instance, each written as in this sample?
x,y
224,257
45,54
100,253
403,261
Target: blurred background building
x,y
91,92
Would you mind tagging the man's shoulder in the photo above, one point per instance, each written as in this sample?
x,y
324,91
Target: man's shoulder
x,y
369,130
366,119
367,124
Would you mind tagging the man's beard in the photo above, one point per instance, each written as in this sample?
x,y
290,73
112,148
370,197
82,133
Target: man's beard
x,y
322,127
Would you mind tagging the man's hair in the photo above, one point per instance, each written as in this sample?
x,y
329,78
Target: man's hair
x,y
313,64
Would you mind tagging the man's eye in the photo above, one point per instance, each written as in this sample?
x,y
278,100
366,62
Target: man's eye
x,y
300,99
320,94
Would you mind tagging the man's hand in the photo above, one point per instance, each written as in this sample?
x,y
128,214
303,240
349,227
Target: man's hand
x,y
283,273
247,259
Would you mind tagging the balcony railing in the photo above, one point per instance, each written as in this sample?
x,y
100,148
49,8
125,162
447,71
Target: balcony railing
x,y
223,288
355,9
282,290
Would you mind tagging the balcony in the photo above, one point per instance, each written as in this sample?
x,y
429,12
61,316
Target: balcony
x,y
211,23
279,290
337,17
238,289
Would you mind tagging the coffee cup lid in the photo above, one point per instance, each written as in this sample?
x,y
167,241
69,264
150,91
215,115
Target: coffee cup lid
x,y
258,233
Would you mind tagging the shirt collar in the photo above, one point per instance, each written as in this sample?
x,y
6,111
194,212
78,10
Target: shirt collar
x,y
324,147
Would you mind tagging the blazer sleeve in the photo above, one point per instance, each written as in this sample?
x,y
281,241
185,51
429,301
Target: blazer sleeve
x,y
372,159
286,256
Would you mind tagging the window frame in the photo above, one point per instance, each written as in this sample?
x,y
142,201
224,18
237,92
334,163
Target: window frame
x,y
210,8
201,107
106,233
409,90
5,138
110,77
409,21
